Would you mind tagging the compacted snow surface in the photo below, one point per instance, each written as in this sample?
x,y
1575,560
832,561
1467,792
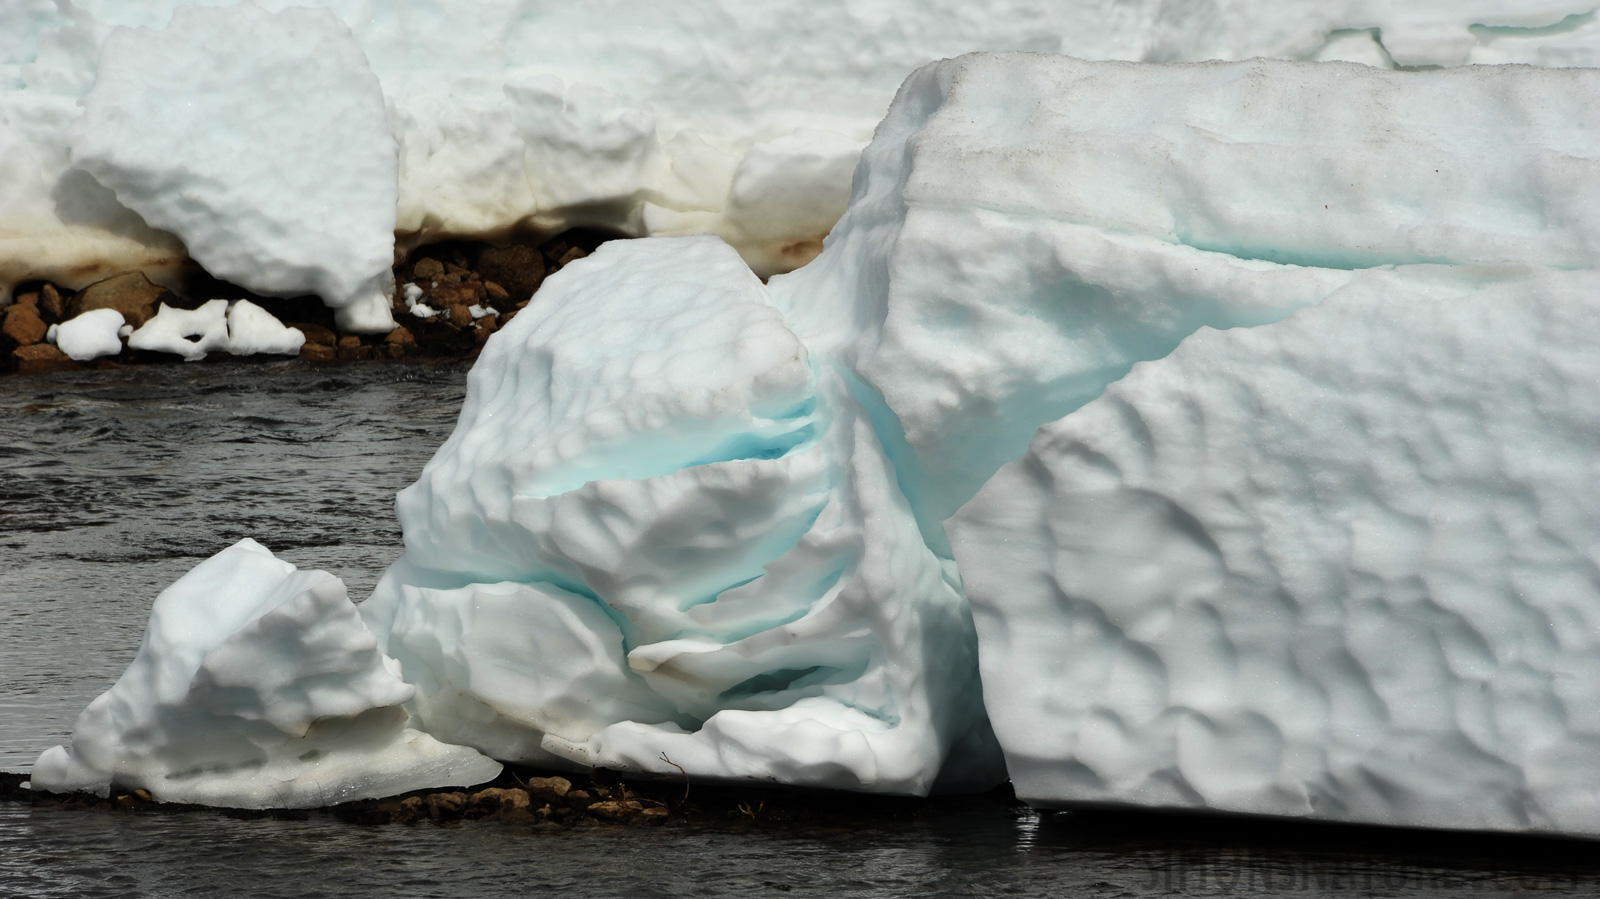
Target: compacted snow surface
x,y
1232,418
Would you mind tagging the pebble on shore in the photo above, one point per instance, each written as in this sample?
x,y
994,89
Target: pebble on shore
x,y
476,288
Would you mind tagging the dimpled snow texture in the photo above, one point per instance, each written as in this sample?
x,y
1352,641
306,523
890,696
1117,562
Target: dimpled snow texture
x,y
1342,566
256,686
262,141
660,527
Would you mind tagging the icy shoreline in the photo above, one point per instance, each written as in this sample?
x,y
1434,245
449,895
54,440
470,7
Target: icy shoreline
x,y
451,296
1234,417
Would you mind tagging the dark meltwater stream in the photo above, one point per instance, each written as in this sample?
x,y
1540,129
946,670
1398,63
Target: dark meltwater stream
x,y
113,484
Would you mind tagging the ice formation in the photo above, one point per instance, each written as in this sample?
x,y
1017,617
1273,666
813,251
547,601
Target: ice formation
x,y
256,686
239,327
718,116
664,534
279,195
1304,531
91,335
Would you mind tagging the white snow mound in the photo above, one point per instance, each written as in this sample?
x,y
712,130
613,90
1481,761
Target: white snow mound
x,y
90,335
256,686
261,140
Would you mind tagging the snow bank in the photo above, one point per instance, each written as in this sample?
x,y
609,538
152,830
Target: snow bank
x,y
663,534
256,686
262,142
738,119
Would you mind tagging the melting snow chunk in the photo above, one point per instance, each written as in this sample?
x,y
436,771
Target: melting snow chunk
x,y
239,327
190,333
90,335
256,686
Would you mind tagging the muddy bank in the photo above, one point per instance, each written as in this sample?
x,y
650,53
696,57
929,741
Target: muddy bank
x,y
449,297
549,801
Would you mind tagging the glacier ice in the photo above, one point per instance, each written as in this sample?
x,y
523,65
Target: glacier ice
x,y
714,116
663,534
256,686
276,194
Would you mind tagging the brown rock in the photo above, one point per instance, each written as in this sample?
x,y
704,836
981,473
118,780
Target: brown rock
x,y
27,298
394,350
42,357
579,799
316,333
519,816
411,808
142,795
614,810
457,294
460,317
459,271
496,799
445,805
495,291
356,352
657,813
505,318
23,324
518,269
551,786
570,256
485,327
52,305
427,268
348,341
316,352
131,294
401,336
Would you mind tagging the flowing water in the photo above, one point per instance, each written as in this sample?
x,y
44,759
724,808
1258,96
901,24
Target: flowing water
x,y
114,483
